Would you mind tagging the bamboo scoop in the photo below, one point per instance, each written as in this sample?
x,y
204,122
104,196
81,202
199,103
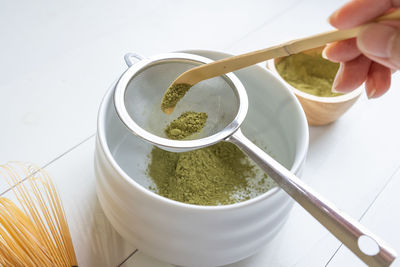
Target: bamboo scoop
x,y
189,78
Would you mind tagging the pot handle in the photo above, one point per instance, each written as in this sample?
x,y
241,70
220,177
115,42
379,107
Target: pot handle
x,y
132,58
349,231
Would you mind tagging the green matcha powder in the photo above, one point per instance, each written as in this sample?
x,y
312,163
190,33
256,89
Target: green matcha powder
x,y
187,124
172,96
310,73
216,175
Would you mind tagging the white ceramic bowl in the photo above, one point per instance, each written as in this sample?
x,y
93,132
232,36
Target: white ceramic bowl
x,y
190,235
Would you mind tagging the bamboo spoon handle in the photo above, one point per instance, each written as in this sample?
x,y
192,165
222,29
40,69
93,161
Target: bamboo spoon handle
x,y
233,63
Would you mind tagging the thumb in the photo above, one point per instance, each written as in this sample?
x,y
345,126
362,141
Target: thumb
x,y
381,43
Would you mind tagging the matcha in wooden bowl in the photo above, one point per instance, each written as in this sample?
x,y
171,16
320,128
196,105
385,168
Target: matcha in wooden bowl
x,y
310,77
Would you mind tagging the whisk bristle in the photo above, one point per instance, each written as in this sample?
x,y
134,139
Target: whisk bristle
x,y
36,232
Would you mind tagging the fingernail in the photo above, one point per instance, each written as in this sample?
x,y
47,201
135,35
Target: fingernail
x,y
337,80
323,54
371,94
376,39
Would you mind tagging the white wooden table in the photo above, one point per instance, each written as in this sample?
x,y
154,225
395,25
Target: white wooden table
x,y
57,59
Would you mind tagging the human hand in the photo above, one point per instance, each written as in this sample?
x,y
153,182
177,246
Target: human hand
x,y
373,55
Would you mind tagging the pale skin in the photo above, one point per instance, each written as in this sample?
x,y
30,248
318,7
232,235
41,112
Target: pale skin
x,y
373,55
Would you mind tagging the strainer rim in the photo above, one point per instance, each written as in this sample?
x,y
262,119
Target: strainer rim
x,y
165,143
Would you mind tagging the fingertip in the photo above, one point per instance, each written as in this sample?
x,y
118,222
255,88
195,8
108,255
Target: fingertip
x,y
374,93
339,19
333,90
329,52
323,54
333,18
370,92
356,12
341,82
342,51
336,85
378,80
351,74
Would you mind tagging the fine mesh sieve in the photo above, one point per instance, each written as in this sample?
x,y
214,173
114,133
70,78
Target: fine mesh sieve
x,y
137,100
139,92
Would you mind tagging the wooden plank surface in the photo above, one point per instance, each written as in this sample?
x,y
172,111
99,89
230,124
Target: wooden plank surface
x,y
59,58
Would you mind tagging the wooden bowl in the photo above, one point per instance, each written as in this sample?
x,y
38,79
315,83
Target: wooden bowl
x,y
320,110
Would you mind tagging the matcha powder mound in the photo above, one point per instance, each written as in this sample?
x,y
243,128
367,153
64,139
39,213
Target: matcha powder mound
x,y
310,73
186,124
216,175
207,176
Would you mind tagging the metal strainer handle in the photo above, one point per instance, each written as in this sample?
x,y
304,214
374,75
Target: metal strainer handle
x,y
349,231
132,58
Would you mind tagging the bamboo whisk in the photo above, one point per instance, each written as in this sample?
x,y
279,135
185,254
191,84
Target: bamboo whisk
x,y
36,232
